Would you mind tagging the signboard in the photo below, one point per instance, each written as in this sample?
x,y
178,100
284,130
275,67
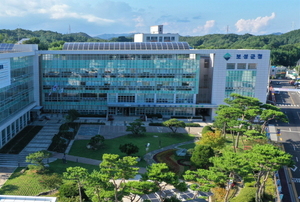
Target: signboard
x,y
5,73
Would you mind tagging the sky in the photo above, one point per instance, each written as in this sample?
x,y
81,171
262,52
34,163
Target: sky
x,y
185,17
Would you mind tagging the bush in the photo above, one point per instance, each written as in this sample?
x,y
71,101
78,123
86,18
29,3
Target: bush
x,y
68,190
192,125
156,124
186,117
64,127
207,129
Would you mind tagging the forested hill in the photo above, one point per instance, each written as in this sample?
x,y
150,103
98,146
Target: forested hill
x,y
234,41
285,48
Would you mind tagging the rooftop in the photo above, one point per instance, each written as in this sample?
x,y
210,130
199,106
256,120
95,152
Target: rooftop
x,y
126,46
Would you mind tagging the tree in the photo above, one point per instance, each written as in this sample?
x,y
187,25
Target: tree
x,y
203,180
233,165
98,187
37,159
201,155
136,189
77,174
212,139
264,159
160,174
72,115
174,124
136,128
96,140
128,149
273,113
33,40
117,170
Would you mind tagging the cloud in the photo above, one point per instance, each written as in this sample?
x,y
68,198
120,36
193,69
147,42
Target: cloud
x,y
205,29
253,25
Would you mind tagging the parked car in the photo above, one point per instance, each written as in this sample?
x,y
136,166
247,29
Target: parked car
x,y
271,102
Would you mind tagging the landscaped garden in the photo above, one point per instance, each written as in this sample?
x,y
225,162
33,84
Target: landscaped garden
x,y
111,146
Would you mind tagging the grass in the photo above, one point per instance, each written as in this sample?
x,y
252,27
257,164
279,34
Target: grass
x,y
188,146
111,146
27,183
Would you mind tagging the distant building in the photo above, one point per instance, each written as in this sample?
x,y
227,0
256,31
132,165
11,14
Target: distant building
x,y
156,35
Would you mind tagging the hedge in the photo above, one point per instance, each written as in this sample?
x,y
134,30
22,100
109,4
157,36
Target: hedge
x,y
186,117
192,125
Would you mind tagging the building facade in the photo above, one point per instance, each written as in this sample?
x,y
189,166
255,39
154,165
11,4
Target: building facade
x,y
129,79
18,88
144,78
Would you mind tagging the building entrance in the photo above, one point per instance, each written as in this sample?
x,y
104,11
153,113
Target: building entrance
x,y
125,111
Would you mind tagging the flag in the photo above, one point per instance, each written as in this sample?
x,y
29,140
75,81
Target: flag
x,y
54,88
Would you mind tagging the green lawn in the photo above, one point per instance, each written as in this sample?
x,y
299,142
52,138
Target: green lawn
x,y
111,146
27,183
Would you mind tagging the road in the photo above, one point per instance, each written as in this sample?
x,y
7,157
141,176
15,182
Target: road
x,y
289,102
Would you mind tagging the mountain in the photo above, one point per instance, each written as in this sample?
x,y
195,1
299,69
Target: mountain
x,y
110,36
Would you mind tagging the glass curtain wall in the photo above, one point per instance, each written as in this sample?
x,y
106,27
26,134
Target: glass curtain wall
x,y
89,82
19,94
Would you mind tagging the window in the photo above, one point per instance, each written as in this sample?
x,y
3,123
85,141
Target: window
x,y
230,65
206,63
241,66
252,66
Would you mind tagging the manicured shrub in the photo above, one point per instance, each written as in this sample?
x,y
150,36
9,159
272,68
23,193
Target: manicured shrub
x,y
192,125
186,117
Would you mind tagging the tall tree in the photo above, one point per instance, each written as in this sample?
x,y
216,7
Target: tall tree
x,y
233,165
264,159
77,174
203,180
160,174
37,159
118,170
136,128
174,124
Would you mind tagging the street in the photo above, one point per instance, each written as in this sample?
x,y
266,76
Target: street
x,y
289,102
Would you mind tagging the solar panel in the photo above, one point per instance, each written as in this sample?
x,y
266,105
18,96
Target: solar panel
x,y
120,46
6,47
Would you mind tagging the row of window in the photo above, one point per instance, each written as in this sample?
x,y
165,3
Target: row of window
x,y
10,131
241,65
